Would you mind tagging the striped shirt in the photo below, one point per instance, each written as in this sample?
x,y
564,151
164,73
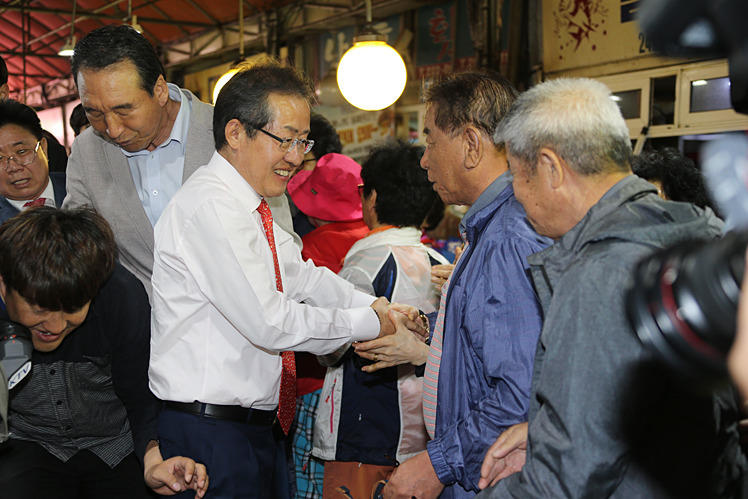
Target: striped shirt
x,y
431,372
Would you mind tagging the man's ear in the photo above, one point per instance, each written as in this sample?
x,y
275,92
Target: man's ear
x,y
552,166
234,131
474,147
161,91
2,288
4,91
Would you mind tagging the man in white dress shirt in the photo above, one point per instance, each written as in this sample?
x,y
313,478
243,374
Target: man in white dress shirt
x,y
232,296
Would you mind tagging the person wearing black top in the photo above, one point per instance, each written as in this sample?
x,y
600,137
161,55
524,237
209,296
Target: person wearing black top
x,y
83,423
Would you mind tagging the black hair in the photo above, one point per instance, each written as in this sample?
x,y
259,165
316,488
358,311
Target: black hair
x,y
324,135
113,44
245,97
78,119
404,194
56,259
680,178
480,99
14,113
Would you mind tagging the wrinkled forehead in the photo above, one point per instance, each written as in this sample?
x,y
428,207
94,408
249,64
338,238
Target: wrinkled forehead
x,y
108,88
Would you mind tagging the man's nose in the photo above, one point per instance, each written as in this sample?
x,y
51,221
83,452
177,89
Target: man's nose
x,y
55,322
424,160
114,127
10,165
295,155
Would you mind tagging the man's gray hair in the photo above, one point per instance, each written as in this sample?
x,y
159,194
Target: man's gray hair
x,y
574,117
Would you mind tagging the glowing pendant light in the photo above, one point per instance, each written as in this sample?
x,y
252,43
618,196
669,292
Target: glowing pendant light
x,y
371,74
68,49
224,79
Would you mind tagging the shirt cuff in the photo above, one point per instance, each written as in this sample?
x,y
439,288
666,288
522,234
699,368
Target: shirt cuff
x,y
441,468
361,299
365,323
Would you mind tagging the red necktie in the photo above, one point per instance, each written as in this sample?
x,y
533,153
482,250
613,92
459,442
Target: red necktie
x,y
35,202
287,399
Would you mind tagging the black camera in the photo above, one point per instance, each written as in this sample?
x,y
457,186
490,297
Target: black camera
x,y
683,300
683,303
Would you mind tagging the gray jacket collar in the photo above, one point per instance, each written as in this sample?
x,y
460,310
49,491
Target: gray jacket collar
x,y
630,211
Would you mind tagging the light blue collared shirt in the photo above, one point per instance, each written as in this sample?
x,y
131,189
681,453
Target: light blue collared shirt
x,y
158,174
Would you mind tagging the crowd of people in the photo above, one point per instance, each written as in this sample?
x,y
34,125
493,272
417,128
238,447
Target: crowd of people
x,y
187,341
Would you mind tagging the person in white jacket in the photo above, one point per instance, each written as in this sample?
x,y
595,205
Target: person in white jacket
x,y
370,416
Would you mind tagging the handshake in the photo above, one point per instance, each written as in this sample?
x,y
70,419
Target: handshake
x,y
402,338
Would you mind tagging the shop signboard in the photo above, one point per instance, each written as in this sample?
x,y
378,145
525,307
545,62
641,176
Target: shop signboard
x,y
443,42
583,33
360,130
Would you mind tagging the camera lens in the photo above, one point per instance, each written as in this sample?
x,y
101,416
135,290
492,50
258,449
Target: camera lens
x,y
683,303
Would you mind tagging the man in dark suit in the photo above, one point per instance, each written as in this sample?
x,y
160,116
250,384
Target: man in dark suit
x,y
24,166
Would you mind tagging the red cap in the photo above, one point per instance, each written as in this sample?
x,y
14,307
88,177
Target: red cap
x,y
330,191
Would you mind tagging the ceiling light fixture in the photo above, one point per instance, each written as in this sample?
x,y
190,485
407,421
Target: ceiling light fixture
x,y
69,47
134,23
133,18
224,79
371,74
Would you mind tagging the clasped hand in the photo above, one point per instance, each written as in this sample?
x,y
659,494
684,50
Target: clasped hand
x,y
403,345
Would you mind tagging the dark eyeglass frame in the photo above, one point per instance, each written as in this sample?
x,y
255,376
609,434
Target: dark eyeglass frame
x,y
288,143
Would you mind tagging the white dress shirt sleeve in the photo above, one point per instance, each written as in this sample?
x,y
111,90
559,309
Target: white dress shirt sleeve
x,y
229,258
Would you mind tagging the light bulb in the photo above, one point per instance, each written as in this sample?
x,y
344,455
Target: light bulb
x,y
371,75
224,79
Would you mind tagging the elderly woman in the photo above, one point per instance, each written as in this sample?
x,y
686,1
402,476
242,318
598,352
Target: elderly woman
x,y
370,416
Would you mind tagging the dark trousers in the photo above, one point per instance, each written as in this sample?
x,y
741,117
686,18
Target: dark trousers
x,y
243,460
28,471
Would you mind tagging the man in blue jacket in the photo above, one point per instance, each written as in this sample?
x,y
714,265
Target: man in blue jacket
x,y
478,372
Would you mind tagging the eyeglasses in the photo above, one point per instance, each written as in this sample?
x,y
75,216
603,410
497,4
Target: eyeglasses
x,y
290,143
22,157
360,190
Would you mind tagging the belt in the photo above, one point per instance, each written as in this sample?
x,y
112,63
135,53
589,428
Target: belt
x,y
233,413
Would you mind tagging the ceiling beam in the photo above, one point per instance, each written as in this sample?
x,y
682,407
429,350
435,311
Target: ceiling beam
x,y
77,19
34,75
202,11
92,15
21,53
